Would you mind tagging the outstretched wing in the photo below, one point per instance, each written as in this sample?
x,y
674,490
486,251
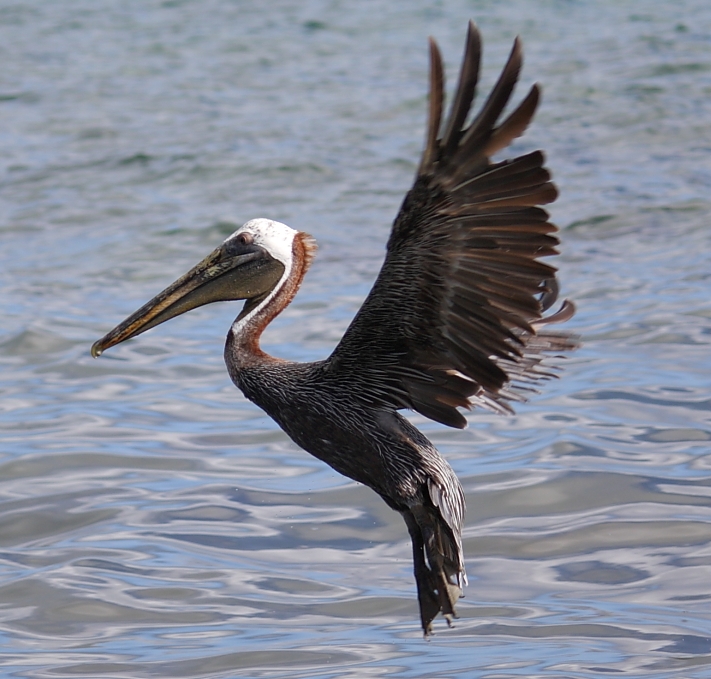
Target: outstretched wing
x,y
455,316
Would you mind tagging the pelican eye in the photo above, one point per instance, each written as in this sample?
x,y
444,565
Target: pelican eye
x,y
244,238
239,245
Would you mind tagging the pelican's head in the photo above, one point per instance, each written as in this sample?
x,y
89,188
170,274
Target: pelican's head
x,y
248,265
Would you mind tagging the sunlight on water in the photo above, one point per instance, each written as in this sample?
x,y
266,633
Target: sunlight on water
x,y
154,523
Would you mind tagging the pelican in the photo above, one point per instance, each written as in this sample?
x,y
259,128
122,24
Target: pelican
x,y
455,319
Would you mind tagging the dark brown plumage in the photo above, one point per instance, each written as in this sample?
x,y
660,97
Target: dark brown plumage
x,y
455,319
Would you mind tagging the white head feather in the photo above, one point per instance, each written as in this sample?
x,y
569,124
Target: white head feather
x,y
278,240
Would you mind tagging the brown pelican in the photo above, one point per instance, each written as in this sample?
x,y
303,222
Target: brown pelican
x,y
454,319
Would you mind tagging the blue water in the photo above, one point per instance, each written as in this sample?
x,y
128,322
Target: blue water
x,y
154,523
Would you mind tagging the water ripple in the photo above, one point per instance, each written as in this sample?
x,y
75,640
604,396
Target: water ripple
x,y
153,523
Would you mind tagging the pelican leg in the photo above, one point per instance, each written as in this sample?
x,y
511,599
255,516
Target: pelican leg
x,y
427,596
447,593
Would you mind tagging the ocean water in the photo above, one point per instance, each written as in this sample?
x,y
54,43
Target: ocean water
x,y
153,523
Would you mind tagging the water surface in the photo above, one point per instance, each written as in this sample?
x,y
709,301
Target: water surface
x,y
154,523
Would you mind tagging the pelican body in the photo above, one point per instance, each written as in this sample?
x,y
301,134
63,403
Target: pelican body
x,y
454,319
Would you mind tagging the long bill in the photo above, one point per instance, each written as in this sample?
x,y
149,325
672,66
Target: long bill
x,y
233,271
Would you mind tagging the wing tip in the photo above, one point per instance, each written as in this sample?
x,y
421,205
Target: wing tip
x,y
436,95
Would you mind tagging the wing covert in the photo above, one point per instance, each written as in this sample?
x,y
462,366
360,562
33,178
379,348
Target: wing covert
x,y
455,317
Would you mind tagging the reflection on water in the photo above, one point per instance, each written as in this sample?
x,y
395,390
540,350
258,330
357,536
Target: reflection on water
x,y
153,523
